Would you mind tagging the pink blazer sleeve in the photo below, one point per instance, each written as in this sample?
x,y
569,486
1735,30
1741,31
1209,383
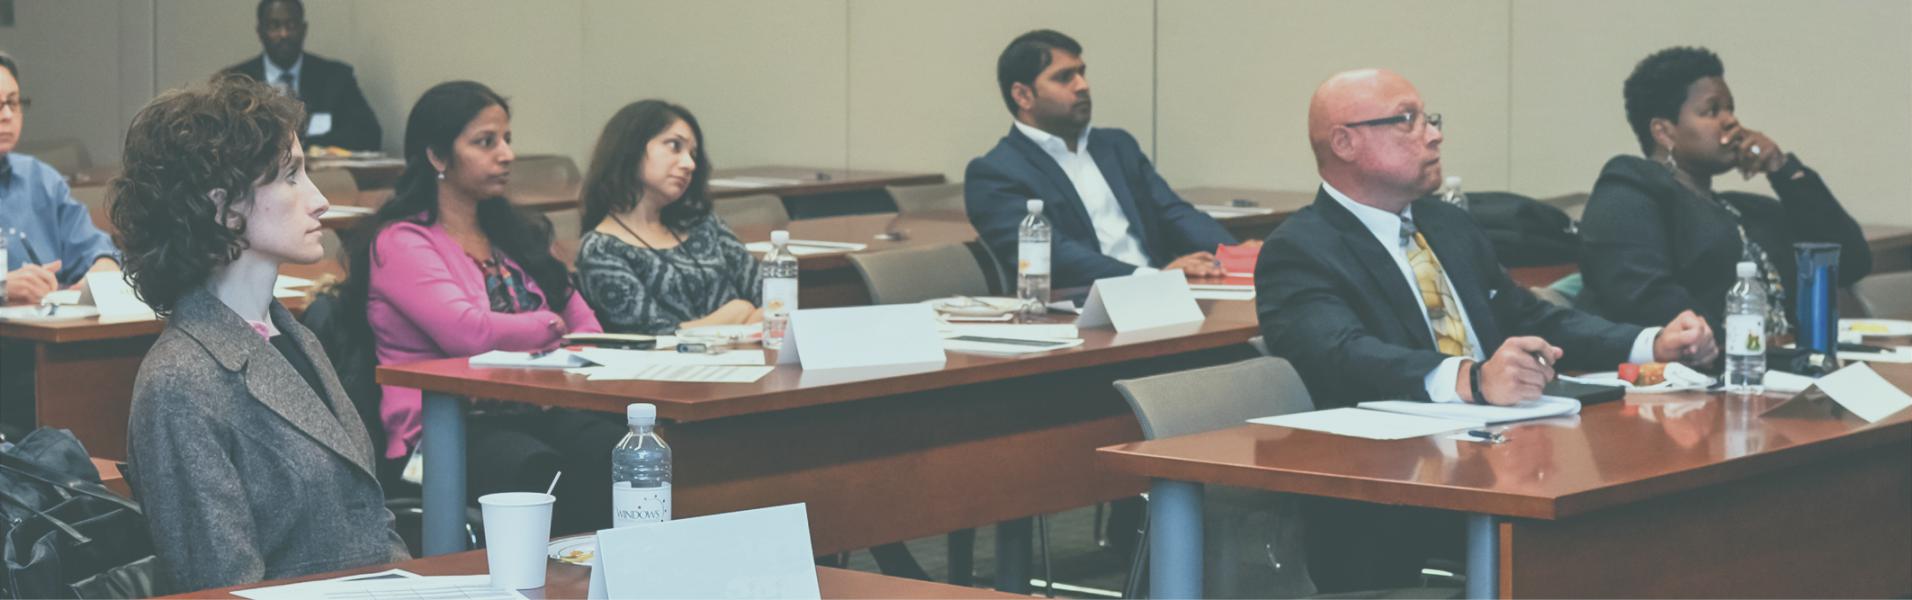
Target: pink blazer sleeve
x,y
412,275
579,317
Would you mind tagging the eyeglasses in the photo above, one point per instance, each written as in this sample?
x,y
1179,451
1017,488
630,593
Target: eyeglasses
x,y
19,105
1412,118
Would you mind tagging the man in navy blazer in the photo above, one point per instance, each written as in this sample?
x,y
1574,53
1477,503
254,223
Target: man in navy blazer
x,y
336,113
1380,292
1111,213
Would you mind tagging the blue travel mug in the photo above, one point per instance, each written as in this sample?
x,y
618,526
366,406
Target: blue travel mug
x,y
1816,298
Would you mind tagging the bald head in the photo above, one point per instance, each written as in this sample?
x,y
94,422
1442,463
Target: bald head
x,y
1375,162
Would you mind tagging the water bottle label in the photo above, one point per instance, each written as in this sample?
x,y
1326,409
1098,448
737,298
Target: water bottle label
x,y
1746,335
779,296
1032,258
634,505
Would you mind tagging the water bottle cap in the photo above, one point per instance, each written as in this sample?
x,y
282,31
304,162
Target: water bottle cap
x,y
1747,269
1035,205
1453,181
640,414
780,237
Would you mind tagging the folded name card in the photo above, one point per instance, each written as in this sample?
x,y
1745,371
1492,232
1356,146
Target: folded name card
x,y
1142,301
863,336
760,553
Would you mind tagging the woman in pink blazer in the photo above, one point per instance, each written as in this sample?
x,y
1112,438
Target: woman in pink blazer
x,y
452,270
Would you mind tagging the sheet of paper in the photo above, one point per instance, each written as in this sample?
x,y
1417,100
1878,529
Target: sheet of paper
x,y
1370,424
1065,306
1546,406
289,282
1222,295
287,293
556,359
62,297
1861,390
320,124
1900,354
1140,302
1222,287
761,553
1025,331
753,181
1005,346
109,291
863,336
633,359
690,373
1789,383
1222,212
461,587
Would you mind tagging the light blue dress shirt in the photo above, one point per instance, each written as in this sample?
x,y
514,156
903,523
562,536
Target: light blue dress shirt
x,y
38,211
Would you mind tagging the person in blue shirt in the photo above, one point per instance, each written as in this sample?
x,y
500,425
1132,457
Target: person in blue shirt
x,y
51,241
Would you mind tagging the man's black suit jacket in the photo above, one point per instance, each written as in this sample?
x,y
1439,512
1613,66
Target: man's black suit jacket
x,y
998,185
327,86
1333,302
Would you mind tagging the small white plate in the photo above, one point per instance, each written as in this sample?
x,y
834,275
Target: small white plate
x,y
975,306
1876,326
1670,385
574,550
722,333
31,314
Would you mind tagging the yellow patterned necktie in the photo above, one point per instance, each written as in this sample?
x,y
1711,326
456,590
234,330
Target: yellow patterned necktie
x,y
1450,334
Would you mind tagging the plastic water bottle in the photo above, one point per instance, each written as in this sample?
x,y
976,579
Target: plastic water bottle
x,y
1032,262
1451,192
1746,333
640,471
779,289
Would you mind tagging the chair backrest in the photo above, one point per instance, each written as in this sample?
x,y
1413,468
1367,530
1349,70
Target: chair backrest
x,y
542,173
94,198
338,185
758,210
67,155
940,197
907,275
1218,397
1552,296
1886,295
565,233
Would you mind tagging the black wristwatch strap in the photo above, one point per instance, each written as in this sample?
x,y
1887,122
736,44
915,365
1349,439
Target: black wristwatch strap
x,y
1473,382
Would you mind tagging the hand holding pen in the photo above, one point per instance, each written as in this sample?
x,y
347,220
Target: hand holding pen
x,y
1517,371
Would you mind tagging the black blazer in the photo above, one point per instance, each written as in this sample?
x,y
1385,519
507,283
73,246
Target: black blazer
x,y
327,86
997,186
1651,248
1333,303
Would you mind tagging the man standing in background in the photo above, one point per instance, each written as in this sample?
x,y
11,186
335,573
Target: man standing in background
x,y
336,113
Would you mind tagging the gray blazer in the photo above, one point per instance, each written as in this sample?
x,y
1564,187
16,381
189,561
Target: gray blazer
x,y
243,473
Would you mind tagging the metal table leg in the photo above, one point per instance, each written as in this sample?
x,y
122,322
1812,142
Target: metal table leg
x,y
1483,557
444,448
1175,544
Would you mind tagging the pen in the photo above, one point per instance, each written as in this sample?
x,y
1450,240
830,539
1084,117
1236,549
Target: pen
x,y
1862,348
1491,437
1542,357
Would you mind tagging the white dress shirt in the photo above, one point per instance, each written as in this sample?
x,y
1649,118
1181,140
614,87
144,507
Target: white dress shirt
x,y
1105,212
273,73
1386,227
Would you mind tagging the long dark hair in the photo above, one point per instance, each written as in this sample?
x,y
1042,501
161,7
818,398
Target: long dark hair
x,y
435,122
612,184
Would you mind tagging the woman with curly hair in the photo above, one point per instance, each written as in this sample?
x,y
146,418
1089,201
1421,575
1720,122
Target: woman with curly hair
x,y
448,269
1658,239
249,458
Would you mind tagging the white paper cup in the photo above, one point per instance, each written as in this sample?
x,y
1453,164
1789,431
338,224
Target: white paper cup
x,y
517,532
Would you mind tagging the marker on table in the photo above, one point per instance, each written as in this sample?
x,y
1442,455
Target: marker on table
x,y
1491,437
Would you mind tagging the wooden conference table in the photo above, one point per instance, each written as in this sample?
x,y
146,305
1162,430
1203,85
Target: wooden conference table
x,y
879,455
574,581
1675,495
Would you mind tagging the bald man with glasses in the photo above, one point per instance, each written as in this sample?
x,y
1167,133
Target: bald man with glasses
x,y
1378,291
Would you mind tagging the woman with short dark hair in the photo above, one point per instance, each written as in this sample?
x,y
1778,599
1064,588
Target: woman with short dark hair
x,y
249,458
653,258
1657,239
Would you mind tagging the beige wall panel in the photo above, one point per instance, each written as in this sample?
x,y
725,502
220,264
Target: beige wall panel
x,y
197,38
527,51
70,64
1235,78
1830,81
923,74
765,79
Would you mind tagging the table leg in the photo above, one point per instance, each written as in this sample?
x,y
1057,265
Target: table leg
x,y
1483,557
1012,554
444,449
1175,544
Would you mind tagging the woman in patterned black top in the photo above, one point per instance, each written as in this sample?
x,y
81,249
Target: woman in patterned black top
x,y
653,259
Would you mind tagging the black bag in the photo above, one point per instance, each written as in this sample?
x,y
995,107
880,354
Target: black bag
x,y
1525,232
66,535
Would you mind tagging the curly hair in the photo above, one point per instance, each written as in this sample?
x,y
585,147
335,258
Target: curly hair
x,y
1657,87
612,184
228,134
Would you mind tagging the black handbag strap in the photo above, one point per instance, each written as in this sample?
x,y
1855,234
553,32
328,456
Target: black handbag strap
x,y
65,481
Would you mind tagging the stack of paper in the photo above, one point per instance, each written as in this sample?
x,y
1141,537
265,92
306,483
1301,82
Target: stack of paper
x,y
1546,406
1370,424
1221,291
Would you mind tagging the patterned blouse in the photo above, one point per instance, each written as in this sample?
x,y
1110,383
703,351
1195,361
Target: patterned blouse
x,y
635,289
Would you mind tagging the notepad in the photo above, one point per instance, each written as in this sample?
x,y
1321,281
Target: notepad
x,y
1370,424
1546,406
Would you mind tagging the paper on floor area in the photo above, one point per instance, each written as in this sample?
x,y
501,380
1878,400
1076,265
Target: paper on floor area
x,y
1370,424
1546,406
693,373
632,359
460,587
1861,390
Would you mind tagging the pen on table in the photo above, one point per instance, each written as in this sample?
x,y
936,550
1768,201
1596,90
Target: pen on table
x,y
1491,437
1845,347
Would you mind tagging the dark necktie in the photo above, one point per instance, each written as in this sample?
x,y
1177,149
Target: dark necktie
x,y
288,85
